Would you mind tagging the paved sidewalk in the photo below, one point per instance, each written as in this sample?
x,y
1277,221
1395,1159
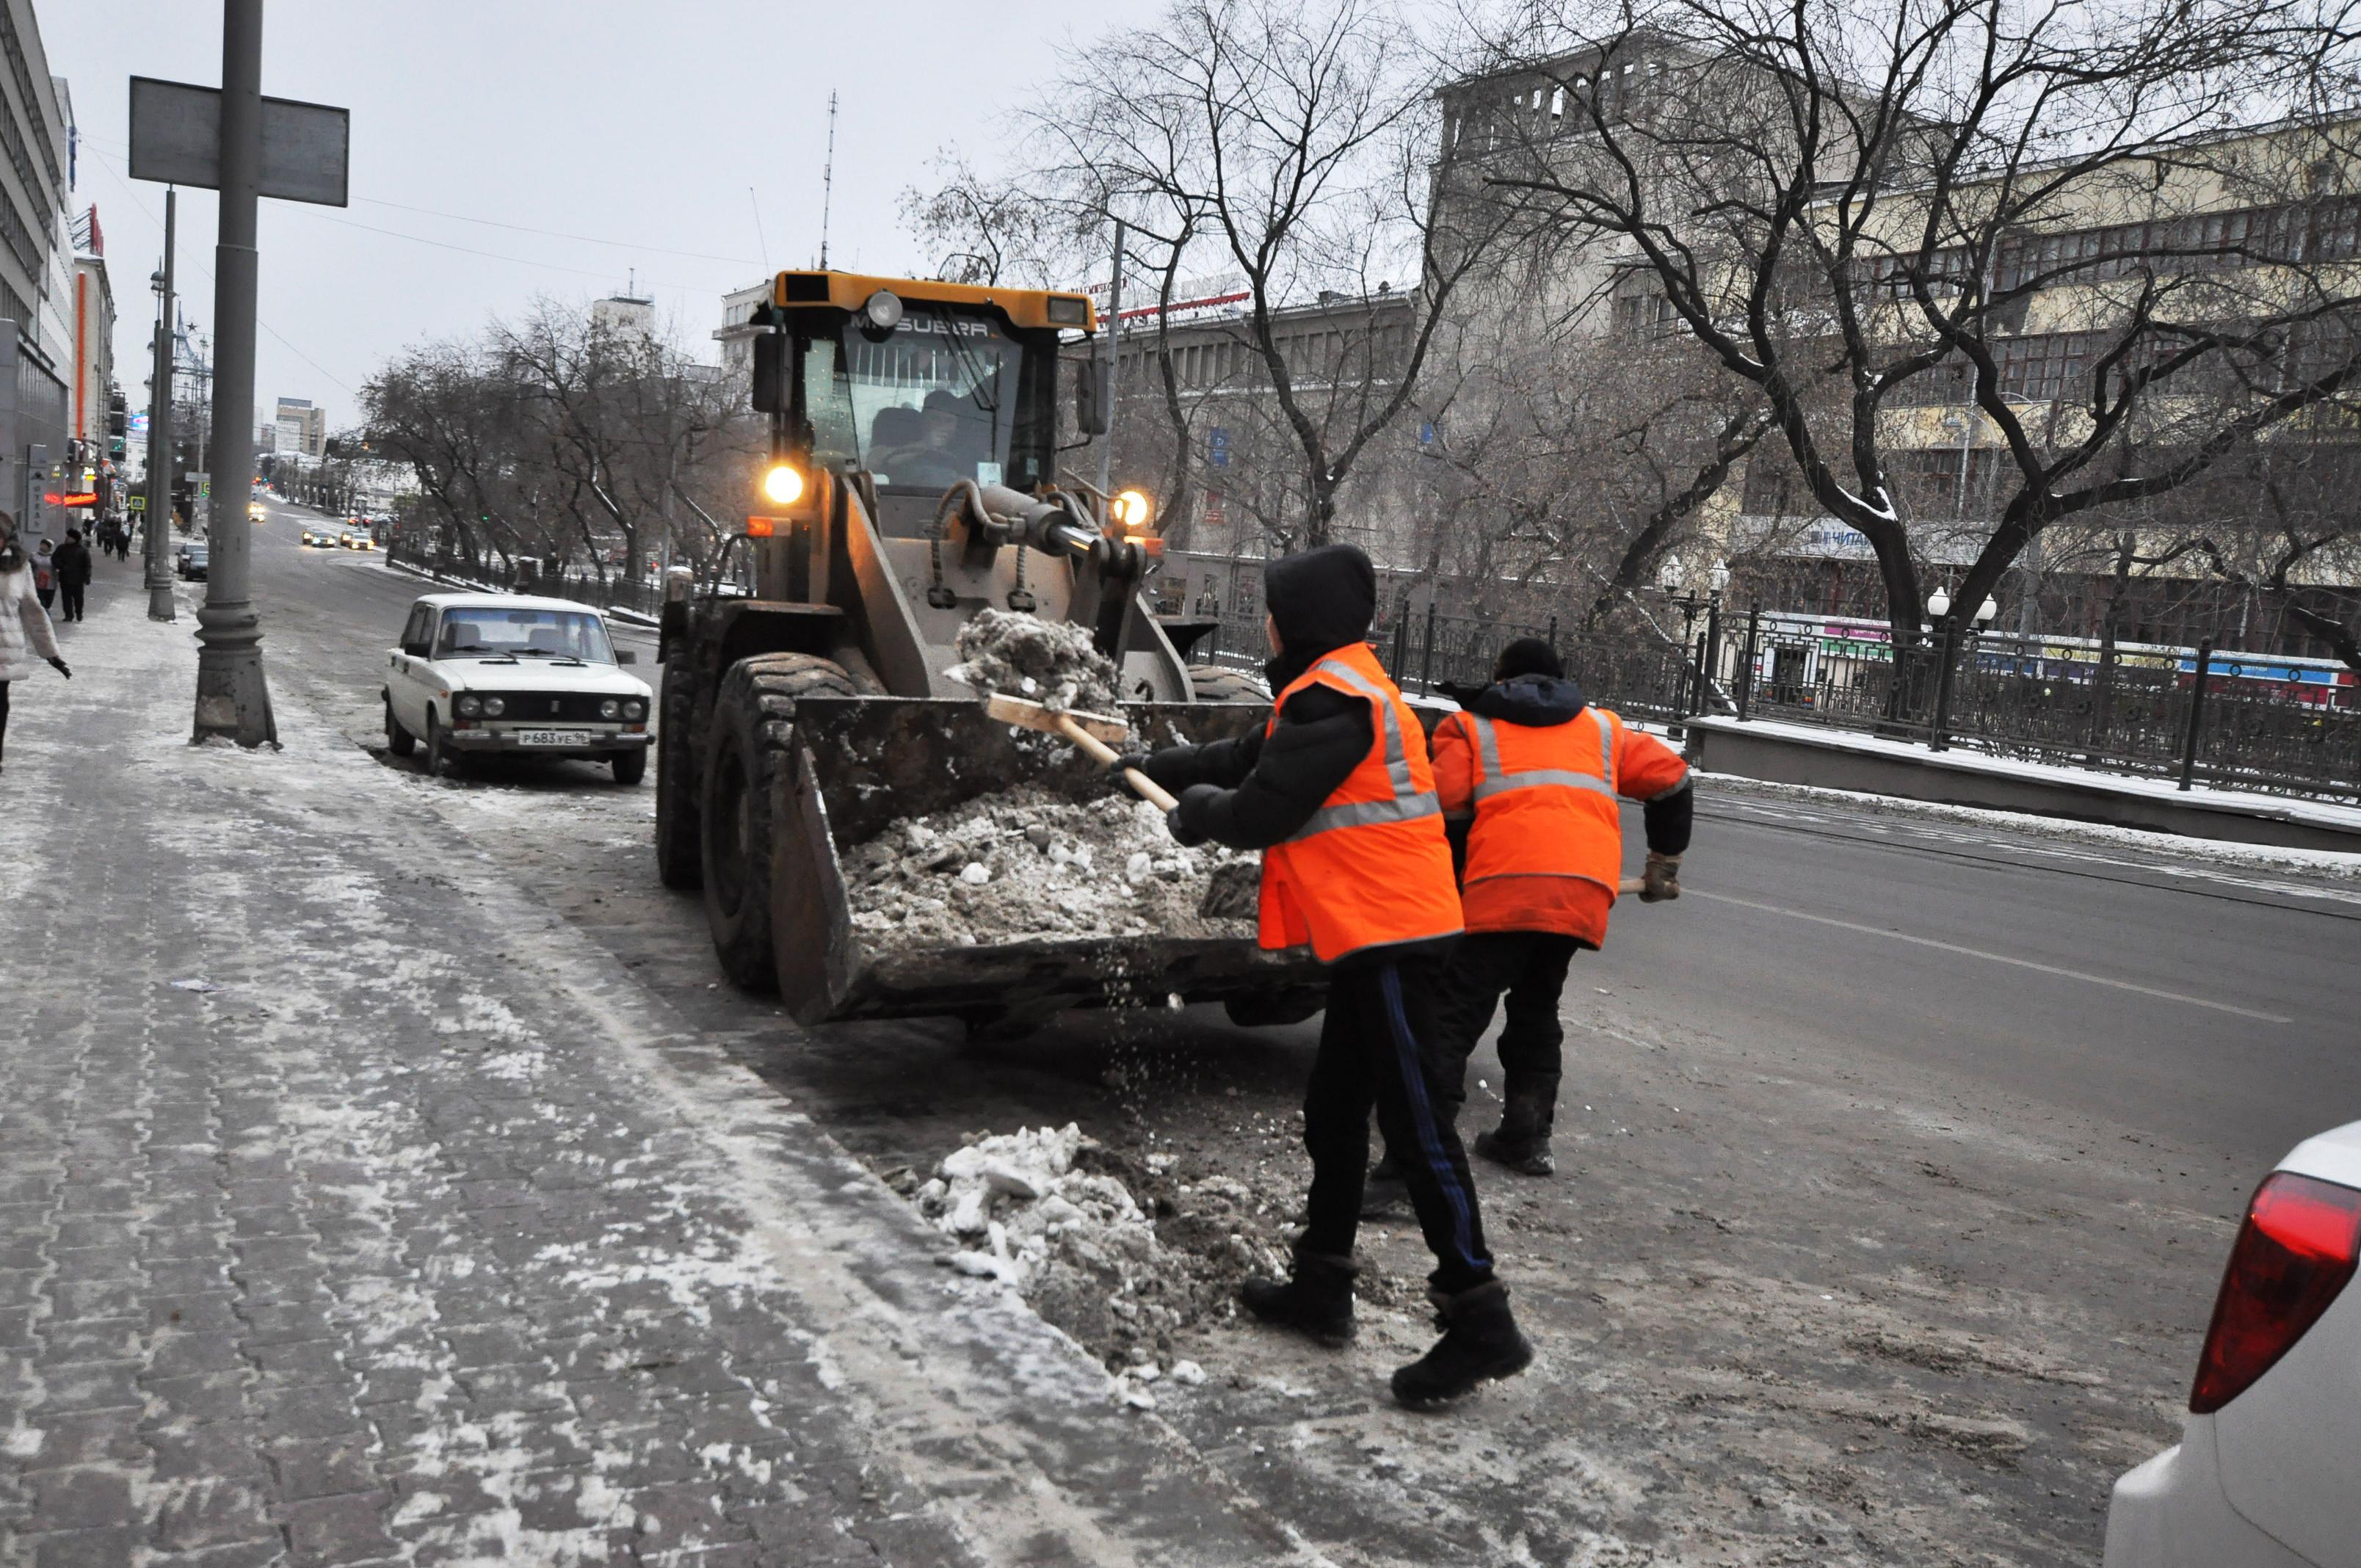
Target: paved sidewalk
x,y
429,1236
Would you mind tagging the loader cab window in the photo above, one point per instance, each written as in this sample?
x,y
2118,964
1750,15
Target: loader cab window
x,y
946,395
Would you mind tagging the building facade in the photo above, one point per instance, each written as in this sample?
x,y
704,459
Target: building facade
x,y
36,276
303,429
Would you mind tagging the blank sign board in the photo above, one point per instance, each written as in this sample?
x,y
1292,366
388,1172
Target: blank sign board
x,y
176,139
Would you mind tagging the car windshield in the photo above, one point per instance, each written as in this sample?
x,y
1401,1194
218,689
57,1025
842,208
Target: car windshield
x,y
489,631
935,401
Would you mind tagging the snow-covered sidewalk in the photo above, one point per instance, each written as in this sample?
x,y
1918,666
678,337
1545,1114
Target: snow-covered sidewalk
x,y
353,1208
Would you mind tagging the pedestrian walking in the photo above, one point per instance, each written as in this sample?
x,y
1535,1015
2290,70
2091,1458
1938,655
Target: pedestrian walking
x,y
45,575
24,633
1336,792
1533,769
71,564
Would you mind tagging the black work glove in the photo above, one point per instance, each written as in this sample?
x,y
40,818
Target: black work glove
x,y
59,666
1138,760
1193,803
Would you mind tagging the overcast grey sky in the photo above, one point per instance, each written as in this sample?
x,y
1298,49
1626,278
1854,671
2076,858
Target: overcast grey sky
x,y
637,122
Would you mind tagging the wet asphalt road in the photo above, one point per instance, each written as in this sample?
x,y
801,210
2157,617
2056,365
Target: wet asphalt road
x,y
1898,1160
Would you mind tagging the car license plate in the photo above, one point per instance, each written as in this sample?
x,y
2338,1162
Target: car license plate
x,y
553,737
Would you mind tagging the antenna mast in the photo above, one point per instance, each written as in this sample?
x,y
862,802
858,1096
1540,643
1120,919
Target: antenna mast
x,y
828,182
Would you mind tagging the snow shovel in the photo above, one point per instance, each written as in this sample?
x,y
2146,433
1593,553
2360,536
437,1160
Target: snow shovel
x,y
1091,731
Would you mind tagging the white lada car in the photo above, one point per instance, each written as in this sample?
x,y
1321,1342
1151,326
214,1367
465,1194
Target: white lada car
x,y
477,672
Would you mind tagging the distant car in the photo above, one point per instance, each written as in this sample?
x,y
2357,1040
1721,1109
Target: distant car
x,y
2263,1476
253,509
354,539
192,559
477,672
319,539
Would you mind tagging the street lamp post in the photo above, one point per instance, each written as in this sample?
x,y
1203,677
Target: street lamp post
x,y
233,700
159,433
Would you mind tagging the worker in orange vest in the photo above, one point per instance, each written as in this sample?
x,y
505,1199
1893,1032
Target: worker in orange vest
x,y
1335,791
1534,771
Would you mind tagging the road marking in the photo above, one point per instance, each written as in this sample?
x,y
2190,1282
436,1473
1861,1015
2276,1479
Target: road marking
x,y
1995,957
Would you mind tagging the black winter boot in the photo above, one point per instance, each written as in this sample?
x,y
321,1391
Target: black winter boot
x,y
1479,1342
1521,1142
1317,1302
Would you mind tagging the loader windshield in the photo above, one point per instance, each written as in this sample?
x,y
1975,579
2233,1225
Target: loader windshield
x,y
941,397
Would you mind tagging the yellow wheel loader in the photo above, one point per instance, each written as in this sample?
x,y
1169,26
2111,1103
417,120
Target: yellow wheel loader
x,y
915,480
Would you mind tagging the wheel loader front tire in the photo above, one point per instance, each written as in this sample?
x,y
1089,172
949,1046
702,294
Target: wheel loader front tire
x,y
746,746
1219,683
679,864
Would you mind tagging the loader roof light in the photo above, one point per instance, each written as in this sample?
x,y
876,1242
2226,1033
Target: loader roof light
x,y
1132,509
1067,310
784,484
883,309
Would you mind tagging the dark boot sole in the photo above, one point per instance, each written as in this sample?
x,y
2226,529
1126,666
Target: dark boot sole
x,y
1328,1339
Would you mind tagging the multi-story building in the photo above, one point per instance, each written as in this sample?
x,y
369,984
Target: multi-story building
x,y
36,275
303,429
92,384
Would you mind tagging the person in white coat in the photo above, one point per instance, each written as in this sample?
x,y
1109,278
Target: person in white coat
x,y
24,633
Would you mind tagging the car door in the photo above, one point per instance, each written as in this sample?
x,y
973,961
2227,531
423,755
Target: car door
x,y
412,672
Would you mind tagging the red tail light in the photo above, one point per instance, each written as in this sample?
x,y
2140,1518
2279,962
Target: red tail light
x,y
2295,1252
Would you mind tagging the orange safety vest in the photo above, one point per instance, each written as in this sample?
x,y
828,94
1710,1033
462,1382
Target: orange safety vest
x,y
1545,849
1372,867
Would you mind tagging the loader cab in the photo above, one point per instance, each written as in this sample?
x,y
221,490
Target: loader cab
x,y
918,386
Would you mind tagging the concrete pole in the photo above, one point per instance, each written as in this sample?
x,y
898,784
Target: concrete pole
x,y
160,437
1113,345
232,698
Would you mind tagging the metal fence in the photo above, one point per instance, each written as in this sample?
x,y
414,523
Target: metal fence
x,y
2241,723
525,575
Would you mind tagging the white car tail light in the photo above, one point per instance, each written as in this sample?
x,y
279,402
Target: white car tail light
x,y
2295,1252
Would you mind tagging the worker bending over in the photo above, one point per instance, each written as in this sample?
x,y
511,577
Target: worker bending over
x,y
1534,770
1336,791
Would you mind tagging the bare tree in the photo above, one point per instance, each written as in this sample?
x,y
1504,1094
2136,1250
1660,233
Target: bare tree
x,y
1290,144
2001,204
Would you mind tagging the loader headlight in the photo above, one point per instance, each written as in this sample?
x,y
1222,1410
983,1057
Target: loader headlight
x,y
883,309
784,484
1132,509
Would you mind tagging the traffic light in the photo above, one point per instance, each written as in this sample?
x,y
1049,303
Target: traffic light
x,y
118,417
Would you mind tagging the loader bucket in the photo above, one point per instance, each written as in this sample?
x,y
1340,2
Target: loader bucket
x,y
859,763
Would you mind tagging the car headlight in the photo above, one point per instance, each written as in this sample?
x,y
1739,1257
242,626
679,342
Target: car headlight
x,y
610,709
494,708
470,706
635,709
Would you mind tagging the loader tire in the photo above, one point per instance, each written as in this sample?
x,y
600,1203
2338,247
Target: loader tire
x,y
679,862
1218,682
746,746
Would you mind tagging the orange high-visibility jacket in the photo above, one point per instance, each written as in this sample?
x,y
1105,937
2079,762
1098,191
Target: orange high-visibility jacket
x,y
1372,867
1546,848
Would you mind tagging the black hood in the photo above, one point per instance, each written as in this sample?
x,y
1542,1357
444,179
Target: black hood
x,y
1321,601
1535,701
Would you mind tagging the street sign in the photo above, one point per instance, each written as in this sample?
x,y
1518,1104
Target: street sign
x,y
176,139
136,503
1217,447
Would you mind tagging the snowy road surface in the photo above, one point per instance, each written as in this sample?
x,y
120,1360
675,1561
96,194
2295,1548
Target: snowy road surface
x,y
1897,1164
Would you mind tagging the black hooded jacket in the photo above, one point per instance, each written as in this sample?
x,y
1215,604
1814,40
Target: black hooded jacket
x,y
71,561
1540,702
1266,789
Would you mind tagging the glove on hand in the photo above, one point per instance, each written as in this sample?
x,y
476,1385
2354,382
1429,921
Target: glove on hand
x,y
1661,879
1138,760
60,666
1198,796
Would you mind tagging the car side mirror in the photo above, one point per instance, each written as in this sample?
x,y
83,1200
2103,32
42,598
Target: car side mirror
x,y
770,372
1091,399
625,656
415,650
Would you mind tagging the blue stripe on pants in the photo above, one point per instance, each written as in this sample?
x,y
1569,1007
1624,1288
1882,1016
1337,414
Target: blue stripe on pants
x,y
1430,1141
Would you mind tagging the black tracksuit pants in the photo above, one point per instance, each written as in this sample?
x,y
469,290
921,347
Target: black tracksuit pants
x,y
72,592
1377,1046
1530,967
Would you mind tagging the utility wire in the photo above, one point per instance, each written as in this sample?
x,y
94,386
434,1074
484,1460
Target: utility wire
x,y
555,233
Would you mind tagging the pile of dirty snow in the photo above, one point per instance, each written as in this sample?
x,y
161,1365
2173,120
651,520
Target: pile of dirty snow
x,y
1048,1211
1029,865
1009,653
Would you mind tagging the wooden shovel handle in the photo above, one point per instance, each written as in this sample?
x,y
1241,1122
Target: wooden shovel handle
x,y
1150,790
